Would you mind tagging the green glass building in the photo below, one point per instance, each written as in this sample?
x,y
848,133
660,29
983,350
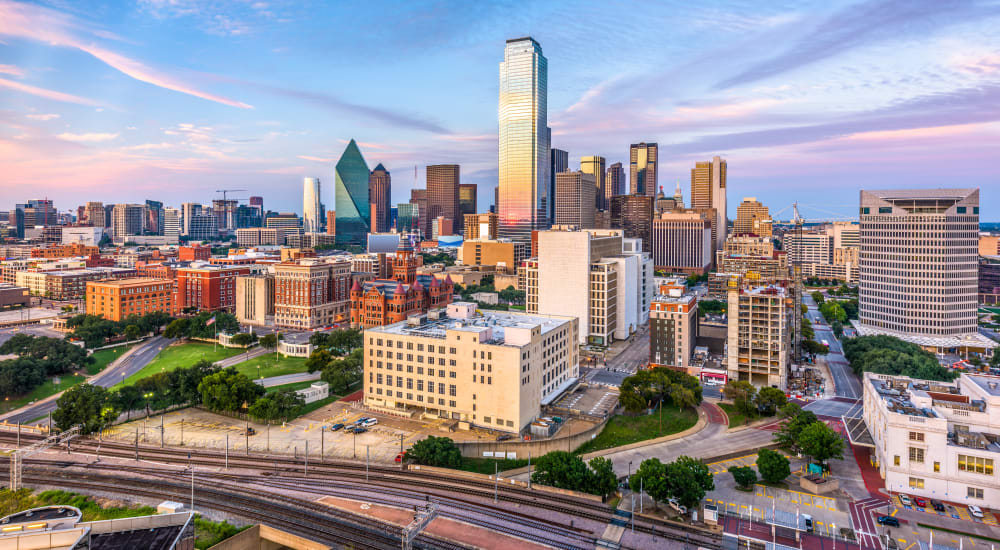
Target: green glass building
x,y
351,194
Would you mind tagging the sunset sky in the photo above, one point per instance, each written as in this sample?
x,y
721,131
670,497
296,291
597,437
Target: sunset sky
x,y
811,101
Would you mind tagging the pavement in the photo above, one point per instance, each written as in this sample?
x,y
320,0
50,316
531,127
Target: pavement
x,y
237,359
288,379
623,364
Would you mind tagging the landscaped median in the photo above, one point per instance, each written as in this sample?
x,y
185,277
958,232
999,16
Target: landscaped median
x,y
182,355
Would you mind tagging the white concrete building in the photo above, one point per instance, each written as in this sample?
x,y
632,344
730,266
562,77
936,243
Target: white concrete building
x,y
82,235
936,439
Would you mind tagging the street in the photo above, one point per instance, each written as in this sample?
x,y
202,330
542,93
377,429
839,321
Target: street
x,y
622,365
844,380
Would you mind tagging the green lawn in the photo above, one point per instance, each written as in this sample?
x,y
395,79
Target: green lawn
x,y
271,366
104,357
295,386
736,417
490,465
182,355
622,430
41,392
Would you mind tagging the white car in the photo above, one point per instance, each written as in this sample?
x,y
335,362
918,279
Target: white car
x,y
976,511
905,499
368,423
681,509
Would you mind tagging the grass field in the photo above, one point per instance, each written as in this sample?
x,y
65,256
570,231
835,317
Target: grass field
x,y
182,355
490,465
104,357
622,430
41,392
736,416
269,366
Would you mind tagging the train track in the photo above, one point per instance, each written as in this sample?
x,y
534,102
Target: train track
x,y
385,479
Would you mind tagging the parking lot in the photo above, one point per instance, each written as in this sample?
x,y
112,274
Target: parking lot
x,y
594,400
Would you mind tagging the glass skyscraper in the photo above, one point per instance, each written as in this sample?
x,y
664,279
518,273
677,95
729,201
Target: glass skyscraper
x,y
311,209
524,144
351,195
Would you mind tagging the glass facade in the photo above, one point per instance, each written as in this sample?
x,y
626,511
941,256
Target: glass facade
x,y
524,144
407,217
642,168
351,193
311,209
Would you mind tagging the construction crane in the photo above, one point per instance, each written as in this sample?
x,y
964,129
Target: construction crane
x,y
797,280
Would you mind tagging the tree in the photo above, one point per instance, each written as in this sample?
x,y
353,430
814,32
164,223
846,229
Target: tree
x,y
789,410
838,329
269,341
651,478
744,476
604,481
242,339
713,307
813,347
688,480
127,398
889,355
818,297
177,328
742,394
773,466
341,374
821,442
769,400
228,390
436,451
84,405
788,434
280,405
132,332
563,470
682,397
318,359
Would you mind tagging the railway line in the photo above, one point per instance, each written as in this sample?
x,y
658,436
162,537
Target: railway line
x,y
465,496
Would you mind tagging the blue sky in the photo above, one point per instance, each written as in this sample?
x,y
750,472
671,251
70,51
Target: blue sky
x,y
810,101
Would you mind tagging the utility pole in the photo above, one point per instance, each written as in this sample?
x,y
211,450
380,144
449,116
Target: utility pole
x,y
248,436
161,431
306,472
137,443
367,458
322,442
529,468
227,451
496,480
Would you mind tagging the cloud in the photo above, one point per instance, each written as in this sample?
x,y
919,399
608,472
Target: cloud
x,y
47,94
11,70
38,23
314,159
86,138
48,116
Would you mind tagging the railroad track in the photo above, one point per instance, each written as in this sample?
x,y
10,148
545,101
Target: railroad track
x,y
385,479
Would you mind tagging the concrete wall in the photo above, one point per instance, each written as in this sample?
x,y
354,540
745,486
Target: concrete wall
x,y
263,537
536,447
484,477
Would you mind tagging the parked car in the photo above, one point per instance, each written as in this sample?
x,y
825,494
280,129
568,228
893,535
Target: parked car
x,y
809,522
888,520
938,505
369,422
401,456
905,499
976,511
336,427
359,430
504,437
249,431
680,508
920,501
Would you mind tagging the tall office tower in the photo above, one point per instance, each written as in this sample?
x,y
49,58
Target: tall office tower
x,y
595,166
108,208
752,217
682,241
311,205
248,216
481,226
225,213
39,212
127,219
615,181
331,222
171,222
154,218
468,199
442,193
95,214
352,202
918,267
678,195
258,203
708,190
379,193
558,163
418,197
407,214
633,214
188,211
524,161
643,160
575,192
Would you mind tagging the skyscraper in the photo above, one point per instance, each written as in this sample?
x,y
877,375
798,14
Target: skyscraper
x,y
418,197
615,180
311,209
258,203
442,193
468,199
153,218
351,195
171,222
225,213
558,163
95,214
752,217
634,215
380,193
708,190
126,220
575,193
595,166
524,148
643,160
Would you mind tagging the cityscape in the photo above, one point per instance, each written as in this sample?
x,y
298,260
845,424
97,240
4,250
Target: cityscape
x,y
676,292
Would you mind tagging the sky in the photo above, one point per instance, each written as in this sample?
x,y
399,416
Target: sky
x,y
808,101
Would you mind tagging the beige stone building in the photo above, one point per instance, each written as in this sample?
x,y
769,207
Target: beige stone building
x,y
259,236
481,226
493,369
752,217
505,255
759,335
255,300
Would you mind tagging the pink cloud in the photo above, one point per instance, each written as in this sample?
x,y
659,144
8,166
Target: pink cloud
x,y
11,70
47,94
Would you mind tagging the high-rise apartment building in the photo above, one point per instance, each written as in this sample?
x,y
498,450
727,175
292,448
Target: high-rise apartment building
x,y
708,190
94,212
351,194
759,334
524,160
594,166
468,199
558,163
153,218
643,161
442,193
615,180
171,222
311,205
682,241
752,217
481,226
673,323
127,220
918,267
575,198
380,195
197,224
633,214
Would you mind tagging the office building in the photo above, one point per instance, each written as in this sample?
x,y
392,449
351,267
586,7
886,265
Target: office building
x,y
418,197
353,204
203,227
936,440
759,334
643,161
258,203
311,205
127,220
615,180
524,159
558,163
312,292
468,199
380,195
594,166
255,300
918,267
171,223
481,226
116,300
153,218
673,324
505,255
71,250
441,227
331,222
755,267
260,236
289,221
69,284
194,253
708,190
207,287
442,193
407,217
517,362
633,214
575,197
87,235
989,280
682,241
809,247
94,214
249,216
752,217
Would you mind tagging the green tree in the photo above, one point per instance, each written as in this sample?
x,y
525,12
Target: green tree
x,y
773,466
744,476
807,329
715,307
341,374
318,359
788,434
813,347
742,394
682,397
85,405
280,405
242,339
563,470
651,478
689,479
132,332
838,329
436,451
177,328
228,390
769,400
604,481
127,399
821,442
889,355
818,297
269,341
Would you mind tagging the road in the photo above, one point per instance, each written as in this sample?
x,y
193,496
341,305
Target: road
x,y
35,330
624,364
237,359
844,380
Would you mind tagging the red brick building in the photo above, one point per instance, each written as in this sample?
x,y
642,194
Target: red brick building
x,y
193,253
207,287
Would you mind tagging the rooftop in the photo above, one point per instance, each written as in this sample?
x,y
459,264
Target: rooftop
x,y
896,392
134,281
436,324
989,384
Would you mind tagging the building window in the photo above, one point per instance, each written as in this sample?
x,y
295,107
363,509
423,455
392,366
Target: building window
x,y
975,464
937,466
486,419
916,483
975,492
916,436
895,460
916,455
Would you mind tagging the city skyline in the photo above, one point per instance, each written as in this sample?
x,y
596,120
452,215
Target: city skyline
x,y
162,101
